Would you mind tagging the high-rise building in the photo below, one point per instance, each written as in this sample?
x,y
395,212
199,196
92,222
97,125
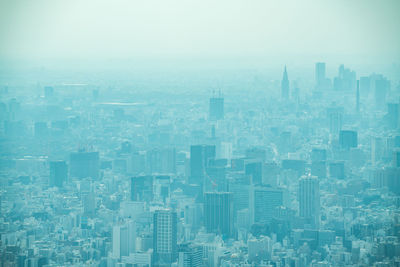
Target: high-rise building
x,y
216,108
336,170
320,74
297,165
264,202
396,158
190,255
285,85
199,159
393,115
84,164
58,173
365,86
346,79
335,118
318,168
270,172
142,188
382,87
309,199
161,160
240,195
348,139
218,213
165,237
123,239
392,177
254,169
318,154
377,149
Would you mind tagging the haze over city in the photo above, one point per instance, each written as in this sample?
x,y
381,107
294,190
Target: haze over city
x,y
199,133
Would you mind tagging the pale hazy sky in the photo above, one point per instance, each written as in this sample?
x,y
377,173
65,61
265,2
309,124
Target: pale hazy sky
x,y
38,30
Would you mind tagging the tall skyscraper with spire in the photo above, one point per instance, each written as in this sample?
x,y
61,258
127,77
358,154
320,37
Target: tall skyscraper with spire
x,y
285,85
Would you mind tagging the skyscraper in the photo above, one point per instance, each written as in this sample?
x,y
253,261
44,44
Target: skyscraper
x,y
58,173
319,74
218,213
199,157
309,199
393,115
255,170
336,170
285,85
365,86
84,164
348,139
335,118
263,203
190,255
123,239
165,237
142,188
216,108
382,87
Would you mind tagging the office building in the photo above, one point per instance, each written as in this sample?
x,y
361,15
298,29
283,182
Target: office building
x,y
320,75
318,168
165,237
393,115
123,239
382,87
199,159
336,170
84,164
318,154
58,173
216,111
190,255
218,213
365,86
264,202
309,199
254,170
335,119
348,139
396,158
142,188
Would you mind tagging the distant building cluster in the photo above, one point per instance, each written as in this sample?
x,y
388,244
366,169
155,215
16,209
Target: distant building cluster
x,y
296,175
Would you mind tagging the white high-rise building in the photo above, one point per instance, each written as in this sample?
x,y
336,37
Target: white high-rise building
x,y
309,199
124,239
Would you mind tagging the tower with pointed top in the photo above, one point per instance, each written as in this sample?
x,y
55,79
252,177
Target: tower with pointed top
x,y
285,85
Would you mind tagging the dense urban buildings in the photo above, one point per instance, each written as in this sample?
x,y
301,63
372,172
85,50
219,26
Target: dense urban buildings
x,y
235,180
200,133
